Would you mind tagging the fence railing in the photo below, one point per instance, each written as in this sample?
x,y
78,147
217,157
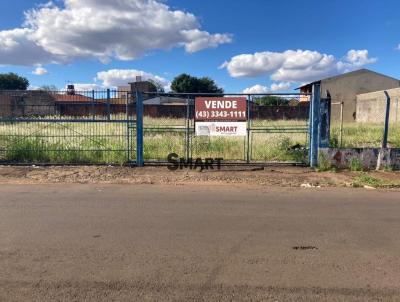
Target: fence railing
x,y
361,123
91,127
99,127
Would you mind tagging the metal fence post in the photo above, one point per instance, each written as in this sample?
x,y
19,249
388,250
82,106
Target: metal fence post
x,y
309,130
248,130
92,104
187,135
341,124
386,129
314,122
139,129
108,105
128,130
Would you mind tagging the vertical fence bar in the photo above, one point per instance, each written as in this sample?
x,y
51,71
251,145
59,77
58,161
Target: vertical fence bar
x,y
248,130
309,129
341,124
187,142
108,105
315,101
139,129
92,104
128,142
387,115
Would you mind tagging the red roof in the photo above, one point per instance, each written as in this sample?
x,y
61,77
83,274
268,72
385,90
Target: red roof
x,y
72,98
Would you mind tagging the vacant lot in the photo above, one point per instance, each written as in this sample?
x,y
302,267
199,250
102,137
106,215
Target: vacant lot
x,y
114,142
109,142
197,243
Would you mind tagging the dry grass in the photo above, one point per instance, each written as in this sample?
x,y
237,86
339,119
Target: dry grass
x,y
107,142
360,135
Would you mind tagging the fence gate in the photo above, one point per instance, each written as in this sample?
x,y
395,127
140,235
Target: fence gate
x,y
276,129
67,127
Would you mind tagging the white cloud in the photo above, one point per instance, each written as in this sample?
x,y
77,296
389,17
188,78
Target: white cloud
x,y
294,65
17,47
355,59
40,71
256,89
264,89
197,40
103,29
120,77
280,86
252,65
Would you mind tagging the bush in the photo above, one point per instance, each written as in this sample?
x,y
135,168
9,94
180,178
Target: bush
x,y
334,142
324,164
355,164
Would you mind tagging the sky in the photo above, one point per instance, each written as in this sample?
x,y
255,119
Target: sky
x,y
254,46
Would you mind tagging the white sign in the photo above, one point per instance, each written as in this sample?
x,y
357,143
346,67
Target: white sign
x,y
221,128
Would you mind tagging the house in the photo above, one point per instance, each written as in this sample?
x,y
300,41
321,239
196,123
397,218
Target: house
x,y
69,99
87,103
345,88
139,85
123,91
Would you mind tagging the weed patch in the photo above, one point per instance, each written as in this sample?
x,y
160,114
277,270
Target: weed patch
x,y
367,180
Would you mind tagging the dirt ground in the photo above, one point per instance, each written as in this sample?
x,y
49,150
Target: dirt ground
x,y
265,176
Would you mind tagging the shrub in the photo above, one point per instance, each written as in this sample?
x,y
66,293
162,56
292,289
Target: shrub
x,y
324,164
355,164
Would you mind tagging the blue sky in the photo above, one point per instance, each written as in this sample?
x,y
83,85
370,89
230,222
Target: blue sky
x,y
265,45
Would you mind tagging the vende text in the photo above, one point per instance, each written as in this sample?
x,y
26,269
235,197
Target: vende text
x,y
221,104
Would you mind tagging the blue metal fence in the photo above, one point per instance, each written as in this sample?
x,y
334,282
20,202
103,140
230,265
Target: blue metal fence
x,y
121,127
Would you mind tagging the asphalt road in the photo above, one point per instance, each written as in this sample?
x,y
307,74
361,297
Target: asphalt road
x,y
197,243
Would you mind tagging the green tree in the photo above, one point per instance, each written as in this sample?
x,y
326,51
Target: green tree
x,y
208,85
12,81
157,86
186,83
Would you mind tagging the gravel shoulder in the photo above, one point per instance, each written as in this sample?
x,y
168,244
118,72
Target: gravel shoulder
x,y
259,176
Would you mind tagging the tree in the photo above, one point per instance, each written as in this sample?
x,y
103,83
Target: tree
x,y
186,83
12,81
157,86
208,85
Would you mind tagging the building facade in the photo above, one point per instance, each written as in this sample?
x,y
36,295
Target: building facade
x,y
345,88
